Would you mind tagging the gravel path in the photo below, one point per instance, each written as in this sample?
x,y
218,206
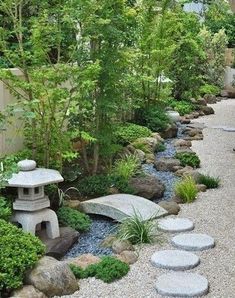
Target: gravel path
x,y
213,213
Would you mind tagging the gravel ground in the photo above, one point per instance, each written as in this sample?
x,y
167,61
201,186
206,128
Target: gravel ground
x,y
213,213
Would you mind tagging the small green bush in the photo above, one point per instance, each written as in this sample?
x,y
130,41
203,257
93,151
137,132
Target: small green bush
x,y
108,269
209,89
137,230
186,190
210,182
74,219
138,144
154,117
160,147
183,107
99,185
19,251
5,209
129,132
126,167
188,159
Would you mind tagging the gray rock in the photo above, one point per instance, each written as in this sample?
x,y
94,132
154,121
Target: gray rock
x,y
207,110
149,143
59,246
201,187
182,143
188,171
122,245
182,284
128,257
175,225
209,98
149,187
224,93
171,207
28,292
201,102
84,260
166,164
185,120
52,277
193,242
26,165
175,260
170,132
184,150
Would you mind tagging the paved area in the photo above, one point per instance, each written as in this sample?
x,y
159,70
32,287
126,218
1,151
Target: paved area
x,y
213,213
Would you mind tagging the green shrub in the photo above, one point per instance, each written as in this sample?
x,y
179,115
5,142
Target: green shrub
x,y
160,147
129,132
209,89
19,251
183,107
74,219
137,230
186,190
210,182
154,117
188,159
108,270
99,185
138,144
126,167
5,209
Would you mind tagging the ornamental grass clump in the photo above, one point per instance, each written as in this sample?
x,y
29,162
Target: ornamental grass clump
x,y
108,270
209,181
186,190
126,167
137,230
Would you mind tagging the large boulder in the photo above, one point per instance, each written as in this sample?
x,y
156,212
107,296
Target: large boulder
x,y
52,277
171,132
166,164
149,187
188,171
128,257
28,292
84,261
122,245
201,102
182,143
209,98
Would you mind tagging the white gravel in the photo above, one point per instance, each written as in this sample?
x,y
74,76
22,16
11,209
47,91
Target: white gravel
x,y
213,213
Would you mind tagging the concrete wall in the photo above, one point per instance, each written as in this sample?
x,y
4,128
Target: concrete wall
x,y
11,139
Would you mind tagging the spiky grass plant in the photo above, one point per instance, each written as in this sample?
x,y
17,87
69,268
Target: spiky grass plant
x,y
126,167
137,230
186,190
209,181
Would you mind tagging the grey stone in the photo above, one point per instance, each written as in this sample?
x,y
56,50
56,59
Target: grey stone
x,y
176,225
173,116
128,257
122,245
207,110
193,242
175,260
121,206
182,284
52,277
170,132
149,187
182,143
84,260
166,164
184,150
201,187
28,292
171,207
27,165
209,98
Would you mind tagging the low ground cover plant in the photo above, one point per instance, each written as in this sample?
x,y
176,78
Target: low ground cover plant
x,y
74,219
137,230
209,181
108,269
186,190
129,132
209,89
188,159
19,251
160,147
183,107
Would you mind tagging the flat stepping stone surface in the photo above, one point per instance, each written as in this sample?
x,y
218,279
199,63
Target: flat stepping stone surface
x,y
181,284
176,225
175,259
194,242
121,206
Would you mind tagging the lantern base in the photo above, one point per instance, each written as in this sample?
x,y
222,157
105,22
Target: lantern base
x,y
31,205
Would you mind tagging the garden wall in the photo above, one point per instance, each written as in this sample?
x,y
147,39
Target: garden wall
x,y
229,78
11,139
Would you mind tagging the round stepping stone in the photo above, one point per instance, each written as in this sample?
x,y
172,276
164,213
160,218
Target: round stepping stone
x,y
176,225
175,259
181,284
193,242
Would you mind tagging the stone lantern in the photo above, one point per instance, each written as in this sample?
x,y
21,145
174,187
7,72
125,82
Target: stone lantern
x,y
31,207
